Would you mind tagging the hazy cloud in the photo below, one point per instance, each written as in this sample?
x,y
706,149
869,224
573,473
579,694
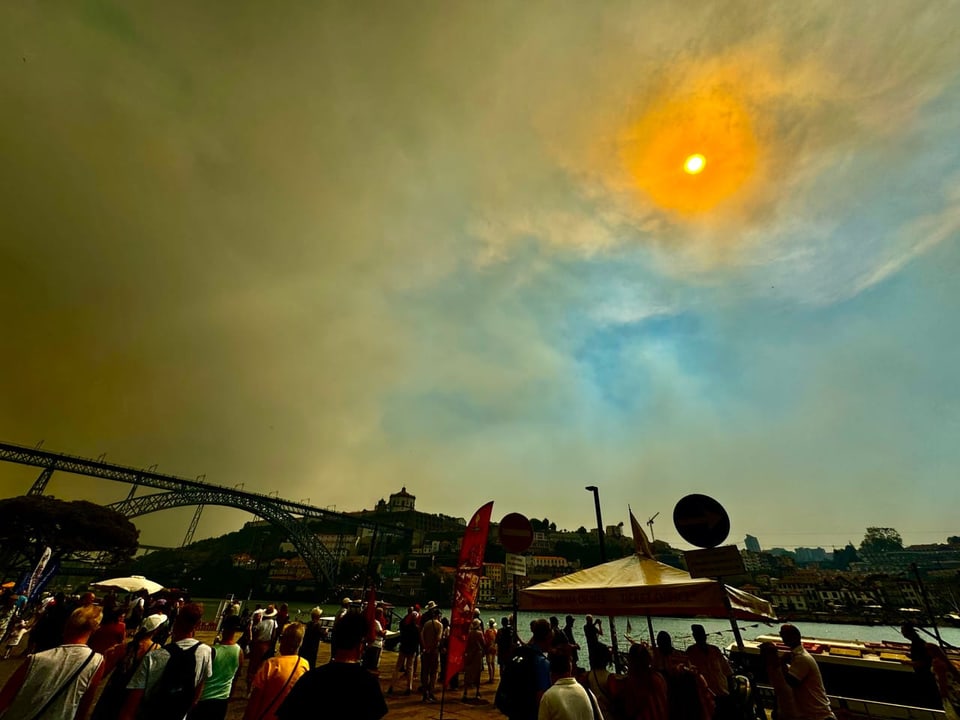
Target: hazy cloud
x,y
333,249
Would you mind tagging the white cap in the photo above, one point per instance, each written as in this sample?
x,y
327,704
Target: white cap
x,y
152,622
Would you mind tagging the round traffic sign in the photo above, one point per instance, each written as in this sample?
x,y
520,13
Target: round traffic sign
x,y
516,533
701,521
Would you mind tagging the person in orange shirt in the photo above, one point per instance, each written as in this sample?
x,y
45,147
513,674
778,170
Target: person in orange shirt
x,y
275,678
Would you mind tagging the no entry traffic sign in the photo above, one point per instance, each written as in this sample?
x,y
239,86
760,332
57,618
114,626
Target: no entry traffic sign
x,y
516,533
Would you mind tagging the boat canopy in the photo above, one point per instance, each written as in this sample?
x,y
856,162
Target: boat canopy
x,y
641,585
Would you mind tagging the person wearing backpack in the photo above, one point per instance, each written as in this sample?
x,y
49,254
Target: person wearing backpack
x,y
227,659
526,677
169,681
125,664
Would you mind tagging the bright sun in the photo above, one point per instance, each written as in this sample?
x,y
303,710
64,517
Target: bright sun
x,y
694,164
657,151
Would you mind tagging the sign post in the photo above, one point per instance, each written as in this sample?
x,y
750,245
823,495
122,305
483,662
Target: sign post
x,y
516,535
723,561
704,522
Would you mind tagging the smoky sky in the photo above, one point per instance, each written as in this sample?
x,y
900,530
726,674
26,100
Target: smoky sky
x,y
333,249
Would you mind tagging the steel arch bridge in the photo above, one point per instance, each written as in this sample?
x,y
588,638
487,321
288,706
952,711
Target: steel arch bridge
x,y
183,492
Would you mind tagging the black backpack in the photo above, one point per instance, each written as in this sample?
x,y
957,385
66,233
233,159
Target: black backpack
x,y
517,694
172,696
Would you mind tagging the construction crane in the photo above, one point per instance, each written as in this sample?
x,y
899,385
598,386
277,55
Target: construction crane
x,y
650,525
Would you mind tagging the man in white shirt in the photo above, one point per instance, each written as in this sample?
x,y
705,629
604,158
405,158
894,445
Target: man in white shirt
x,y
57,684
803,675
144,684
566,699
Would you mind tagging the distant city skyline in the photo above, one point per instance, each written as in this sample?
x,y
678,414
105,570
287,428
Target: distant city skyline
x,y
494,252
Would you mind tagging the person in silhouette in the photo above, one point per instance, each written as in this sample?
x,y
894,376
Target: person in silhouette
x,y
711,663
802,674
341,688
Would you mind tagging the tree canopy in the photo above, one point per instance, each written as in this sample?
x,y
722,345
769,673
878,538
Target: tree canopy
x,y
880,540
29,523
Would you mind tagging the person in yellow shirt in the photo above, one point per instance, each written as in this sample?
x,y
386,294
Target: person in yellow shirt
x,y
275,678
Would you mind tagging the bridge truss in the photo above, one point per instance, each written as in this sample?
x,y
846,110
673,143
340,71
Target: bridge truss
x,y
182,492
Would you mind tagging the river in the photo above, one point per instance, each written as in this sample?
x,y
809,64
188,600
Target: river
x,y
718,630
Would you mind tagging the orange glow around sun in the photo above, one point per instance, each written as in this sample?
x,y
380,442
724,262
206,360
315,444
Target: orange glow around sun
x,y
690,154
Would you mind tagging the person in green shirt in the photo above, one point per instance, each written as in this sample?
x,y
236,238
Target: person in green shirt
x,y
227,659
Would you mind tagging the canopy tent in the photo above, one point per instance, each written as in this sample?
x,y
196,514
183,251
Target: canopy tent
x,y
640,585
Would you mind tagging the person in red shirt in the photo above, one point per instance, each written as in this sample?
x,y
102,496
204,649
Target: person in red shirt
x,y
110,633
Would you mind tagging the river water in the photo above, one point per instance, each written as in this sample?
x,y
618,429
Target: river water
x,y
718,630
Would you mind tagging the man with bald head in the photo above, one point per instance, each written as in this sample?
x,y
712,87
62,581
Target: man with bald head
x,y
802,674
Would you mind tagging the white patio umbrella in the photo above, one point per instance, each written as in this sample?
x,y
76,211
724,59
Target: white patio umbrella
x,y
134,583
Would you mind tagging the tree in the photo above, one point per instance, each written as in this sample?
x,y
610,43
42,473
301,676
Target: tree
x,y
843,558
30,523
582,530
879,540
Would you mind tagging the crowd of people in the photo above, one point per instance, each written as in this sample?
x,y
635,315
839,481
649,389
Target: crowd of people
x,y
542,679
423,653
141,660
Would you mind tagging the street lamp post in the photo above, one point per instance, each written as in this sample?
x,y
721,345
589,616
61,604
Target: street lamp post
x,y
603,558
596,503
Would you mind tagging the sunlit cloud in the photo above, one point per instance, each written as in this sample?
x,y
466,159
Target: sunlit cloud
x,y
338,248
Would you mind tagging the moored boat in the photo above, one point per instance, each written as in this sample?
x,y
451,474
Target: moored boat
x,y
870,671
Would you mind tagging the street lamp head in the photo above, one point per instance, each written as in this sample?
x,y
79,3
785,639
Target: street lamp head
x,y
591,488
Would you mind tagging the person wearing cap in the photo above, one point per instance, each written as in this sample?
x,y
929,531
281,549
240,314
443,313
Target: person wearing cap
x,y
150,672
345,606
124,664
262,635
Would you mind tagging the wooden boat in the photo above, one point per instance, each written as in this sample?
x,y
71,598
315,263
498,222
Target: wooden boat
x,y
867,671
